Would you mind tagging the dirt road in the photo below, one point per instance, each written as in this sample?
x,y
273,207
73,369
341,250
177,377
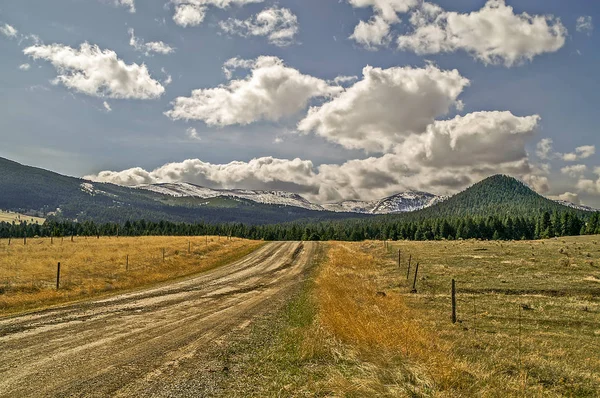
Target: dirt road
x,y
147,343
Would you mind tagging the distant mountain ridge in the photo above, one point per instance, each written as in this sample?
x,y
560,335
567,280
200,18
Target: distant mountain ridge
x,y
34,191
404,202
399,203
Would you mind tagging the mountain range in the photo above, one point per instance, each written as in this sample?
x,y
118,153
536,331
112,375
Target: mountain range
x,y
41,192
399,203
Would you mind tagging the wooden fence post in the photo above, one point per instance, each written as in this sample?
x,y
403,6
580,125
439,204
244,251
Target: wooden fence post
x,y
25,239
453,301
58,276
414,289
408,271
9,240
189,247
399,257
72,238
127,263
163,254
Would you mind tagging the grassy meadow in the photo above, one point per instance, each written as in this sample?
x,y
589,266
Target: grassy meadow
x,y
7,216
528,324
91,266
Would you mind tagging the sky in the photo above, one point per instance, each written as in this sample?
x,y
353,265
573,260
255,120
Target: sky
x,y
331,99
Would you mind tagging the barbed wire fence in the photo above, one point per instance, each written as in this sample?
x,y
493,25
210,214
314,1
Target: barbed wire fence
x,y
72,273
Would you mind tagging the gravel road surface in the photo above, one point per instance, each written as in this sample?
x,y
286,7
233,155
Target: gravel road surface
x,y
149,343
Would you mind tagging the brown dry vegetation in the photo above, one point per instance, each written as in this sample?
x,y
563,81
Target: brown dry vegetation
x,y
7,216
341,338
404,344
91,266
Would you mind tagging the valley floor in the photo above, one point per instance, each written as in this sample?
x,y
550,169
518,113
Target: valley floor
x,y
332,319
528,324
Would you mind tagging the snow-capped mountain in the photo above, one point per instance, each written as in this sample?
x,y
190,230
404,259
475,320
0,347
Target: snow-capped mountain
x,y
399,203
280,198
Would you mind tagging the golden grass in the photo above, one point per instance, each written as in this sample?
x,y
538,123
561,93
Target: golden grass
x,y
91,266
387,351
7,216
547,287
404,344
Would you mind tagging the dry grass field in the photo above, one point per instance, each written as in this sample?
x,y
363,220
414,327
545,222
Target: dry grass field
x,y
528,318
528,323
7,216
91,266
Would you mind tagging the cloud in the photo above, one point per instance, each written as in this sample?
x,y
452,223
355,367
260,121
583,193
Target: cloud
x,y
450,156
193,12
585,25
544,148
189,15
568,197
388,9
158,47
376,32
340,80
236,63
384,107
574,170
8,31
126,3
493,34
545,151
280,25
24,67
582,152
192,134
107,106
97,72
271,91
372,34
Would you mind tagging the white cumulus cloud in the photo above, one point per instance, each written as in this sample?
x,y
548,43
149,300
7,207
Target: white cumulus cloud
x,y
97,72
582,152
107,106
24,67
384,107
376,31
574,170
493,34
372,34
271,91
388,9
441,160
193,12
279,25
158,47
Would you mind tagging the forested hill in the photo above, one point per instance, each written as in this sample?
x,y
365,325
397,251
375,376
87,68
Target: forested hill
x,y
34,191
498,195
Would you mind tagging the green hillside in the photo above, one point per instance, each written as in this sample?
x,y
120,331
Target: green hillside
x,y
25,189
498,195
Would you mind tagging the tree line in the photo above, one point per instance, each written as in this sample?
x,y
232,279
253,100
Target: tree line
x,y
493,227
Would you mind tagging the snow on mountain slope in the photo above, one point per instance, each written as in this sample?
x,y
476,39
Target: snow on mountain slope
x,y
574,206
279,198
399,203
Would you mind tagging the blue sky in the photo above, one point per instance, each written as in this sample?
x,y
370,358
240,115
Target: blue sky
x,y
491,90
